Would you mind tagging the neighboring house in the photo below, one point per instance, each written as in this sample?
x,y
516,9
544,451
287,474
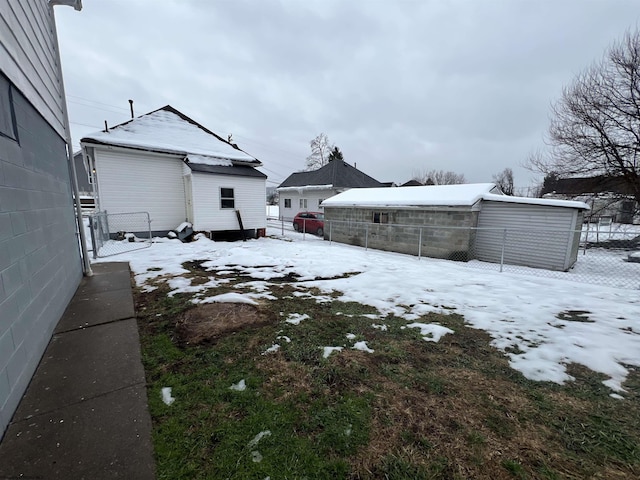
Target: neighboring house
x,y
412,183
167,164
304,191
606,196
40,259
459,222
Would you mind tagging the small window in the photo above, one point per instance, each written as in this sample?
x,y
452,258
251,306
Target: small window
x,y
7,115
380,217
303,203
287,203
320,200
226,198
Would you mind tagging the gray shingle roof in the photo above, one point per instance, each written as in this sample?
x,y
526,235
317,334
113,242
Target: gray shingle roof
x,y
337,173
241,171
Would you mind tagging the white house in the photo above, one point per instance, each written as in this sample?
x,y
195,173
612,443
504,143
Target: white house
x,y
167,164
305,191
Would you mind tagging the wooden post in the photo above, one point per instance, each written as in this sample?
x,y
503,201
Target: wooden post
x,y
244,236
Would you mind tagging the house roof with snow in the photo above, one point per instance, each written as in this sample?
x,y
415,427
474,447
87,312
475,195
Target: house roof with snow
x,y
465,195
590,185
335,174
167,130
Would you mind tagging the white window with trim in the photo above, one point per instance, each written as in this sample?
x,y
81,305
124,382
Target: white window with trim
x,y
227,199
303,204
287,203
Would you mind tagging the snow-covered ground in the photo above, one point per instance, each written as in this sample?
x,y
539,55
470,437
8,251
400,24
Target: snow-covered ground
x,y
545,323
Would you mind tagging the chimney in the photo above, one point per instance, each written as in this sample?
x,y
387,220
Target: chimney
x,y
106,128
131,107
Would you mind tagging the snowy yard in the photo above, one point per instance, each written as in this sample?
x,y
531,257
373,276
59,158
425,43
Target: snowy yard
x,y
321,350
532,318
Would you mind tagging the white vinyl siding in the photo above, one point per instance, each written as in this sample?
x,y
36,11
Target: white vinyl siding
x,y
537,236
142,182
313,198
28,56
249,198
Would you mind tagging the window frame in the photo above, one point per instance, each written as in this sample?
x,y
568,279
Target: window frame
x,y
380,217
287,203
6,95
227,199
304,204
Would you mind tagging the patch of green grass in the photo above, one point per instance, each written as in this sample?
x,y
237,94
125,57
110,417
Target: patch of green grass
x,y
410,410
515,468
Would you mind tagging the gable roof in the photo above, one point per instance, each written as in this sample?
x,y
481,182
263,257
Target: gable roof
x,y
336,174
167,130
464,195
581,185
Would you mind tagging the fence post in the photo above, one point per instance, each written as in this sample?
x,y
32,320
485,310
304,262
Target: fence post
x,y
93,237
420,244
504,240
586,240
366,237
304,228
149,223
330,232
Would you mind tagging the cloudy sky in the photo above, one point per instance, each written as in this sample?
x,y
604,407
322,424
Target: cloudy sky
x,y
400,86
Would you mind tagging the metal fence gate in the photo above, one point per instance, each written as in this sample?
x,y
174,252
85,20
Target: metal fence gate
x,y
114,233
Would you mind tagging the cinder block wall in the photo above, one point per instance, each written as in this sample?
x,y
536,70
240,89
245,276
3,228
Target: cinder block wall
x,y
40,263
439,238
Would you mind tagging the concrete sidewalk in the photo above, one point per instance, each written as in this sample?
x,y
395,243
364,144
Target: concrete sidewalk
x,y
85,414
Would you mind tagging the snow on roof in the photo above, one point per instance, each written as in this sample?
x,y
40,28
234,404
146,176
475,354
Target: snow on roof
x,y
431,195
436,195
204,160
548,202
305,188
166,131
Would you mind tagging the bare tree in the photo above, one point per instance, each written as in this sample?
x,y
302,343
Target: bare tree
x,y
504,181
595,129
437,177
320,151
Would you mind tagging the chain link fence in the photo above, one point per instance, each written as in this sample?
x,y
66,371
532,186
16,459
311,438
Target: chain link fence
x,y
601,253
114,233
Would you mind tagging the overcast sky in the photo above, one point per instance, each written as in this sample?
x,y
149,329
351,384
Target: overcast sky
x,y
400,86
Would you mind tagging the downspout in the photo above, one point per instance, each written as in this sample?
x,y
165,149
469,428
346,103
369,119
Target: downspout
x,y
71,164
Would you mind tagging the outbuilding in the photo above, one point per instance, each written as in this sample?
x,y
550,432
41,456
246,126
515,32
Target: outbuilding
x,y
459,222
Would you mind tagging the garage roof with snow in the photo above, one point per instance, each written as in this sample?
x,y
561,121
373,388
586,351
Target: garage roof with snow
x,y
436,195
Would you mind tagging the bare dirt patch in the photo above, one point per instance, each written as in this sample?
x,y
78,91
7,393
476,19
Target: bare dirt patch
x,y
205,324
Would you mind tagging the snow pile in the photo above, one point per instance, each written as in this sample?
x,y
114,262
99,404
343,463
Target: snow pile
x,y
329,350
241,386
362,346
227,298
431,332
296,318
166,396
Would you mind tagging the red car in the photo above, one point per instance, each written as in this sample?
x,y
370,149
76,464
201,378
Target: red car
x,y
309,222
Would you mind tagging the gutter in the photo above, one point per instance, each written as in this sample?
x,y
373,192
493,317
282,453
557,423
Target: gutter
x,y
86,263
